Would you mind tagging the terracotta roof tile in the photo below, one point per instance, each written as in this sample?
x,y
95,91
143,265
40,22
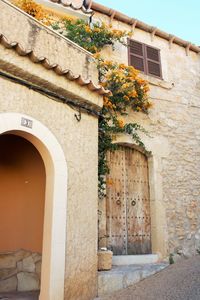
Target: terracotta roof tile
x,y
55,67
75,4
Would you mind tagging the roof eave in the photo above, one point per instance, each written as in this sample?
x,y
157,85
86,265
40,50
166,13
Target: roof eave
x,y
143,26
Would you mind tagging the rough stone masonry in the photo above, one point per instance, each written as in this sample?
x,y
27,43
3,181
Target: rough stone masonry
x,y
20,271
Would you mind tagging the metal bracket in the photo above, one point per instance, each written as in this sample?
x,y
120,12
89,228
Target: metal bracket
x,y
78,116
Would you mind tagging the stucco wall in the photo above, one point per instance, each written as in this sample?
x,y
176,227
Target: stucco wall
x,y
173,122
79,143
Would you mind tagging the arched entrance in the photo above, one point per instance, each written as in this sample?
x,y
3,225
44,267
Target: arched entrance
x,y
128,203
22,190
55,209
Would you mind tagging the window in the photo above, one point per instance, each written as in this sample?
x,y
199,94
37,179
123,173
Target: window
x,y
145,58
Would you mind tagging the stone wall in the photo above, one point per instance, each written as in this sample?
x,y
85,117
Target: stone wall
x,y
173,123
20,271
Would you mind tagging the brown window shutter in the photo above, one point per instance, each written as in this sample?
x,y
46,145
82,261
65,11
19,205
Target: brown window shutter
x,y
153,61
137,55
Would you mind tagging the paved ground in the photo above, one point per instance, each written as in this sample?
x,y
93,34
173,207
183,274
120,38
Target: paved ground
x,y
121,277
180,281
19,296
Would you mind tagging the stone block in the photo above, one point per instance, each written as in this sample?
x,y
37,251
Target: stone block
x,y
8,285
21,254
147,272
36,257
104,260
38,268
28,264
27,282
6,273
19,266
108,283
152,269
122,260
7,261
131,278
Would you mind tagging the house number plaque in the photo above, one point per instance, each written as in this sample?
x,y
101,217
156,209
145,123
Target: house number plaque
x,y
26,122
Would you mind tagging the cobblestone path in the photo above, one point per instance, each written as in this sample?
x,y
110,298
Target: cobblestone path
x,y
180,281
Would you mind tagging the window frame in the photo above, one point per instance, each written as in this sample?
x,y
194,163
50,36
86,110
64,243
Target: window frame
x,y
145,58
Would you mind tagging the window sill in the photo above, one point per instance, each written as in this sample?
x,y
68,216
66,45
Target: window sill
x,y
158,82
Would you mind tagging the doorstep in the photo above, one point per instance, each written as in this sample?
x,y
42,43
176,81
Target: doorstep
x,y
123,276
121,260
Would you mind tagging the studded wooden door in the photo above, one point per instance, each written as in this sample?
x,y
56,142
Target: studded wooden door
x,y
128,205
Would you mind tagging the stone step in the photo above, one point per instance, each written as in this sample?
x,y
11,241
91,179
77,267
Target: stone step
x,y
120,277
121,260
20,296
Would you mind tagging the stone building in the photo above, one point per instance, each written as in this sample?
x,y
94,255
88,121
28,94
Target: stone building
x,y
173,124
50,100
172,68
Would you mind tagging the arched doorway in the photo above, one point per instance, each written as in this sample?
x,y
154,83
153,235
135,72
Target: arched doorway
x,y
22,190
55,211
128,203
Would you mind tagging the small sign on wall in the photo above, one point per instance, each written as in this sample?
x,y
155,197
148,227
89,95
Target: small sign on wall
x,y
26,122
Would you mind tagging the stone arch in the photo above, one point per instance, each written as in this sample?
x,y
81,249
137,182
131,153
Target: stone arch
x,y
54,232
134,146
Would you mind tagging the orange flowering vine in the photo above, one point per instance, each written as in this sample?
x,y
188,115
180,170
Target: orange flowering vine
x,y
30,7
121,123
127,89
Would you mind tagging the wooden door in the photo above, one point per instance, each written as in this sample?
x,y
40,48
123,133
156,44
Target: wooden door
x,y
128,205
116,206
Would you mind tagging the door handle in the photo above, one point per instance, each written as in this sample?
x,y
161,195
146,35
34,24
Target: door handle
x,y
118,202
133,203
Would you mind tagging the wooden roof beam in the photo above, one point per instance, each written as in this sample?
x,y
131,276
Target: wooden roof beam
x,y
89,4
153,32
187,48
112,15
133,24
171,40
